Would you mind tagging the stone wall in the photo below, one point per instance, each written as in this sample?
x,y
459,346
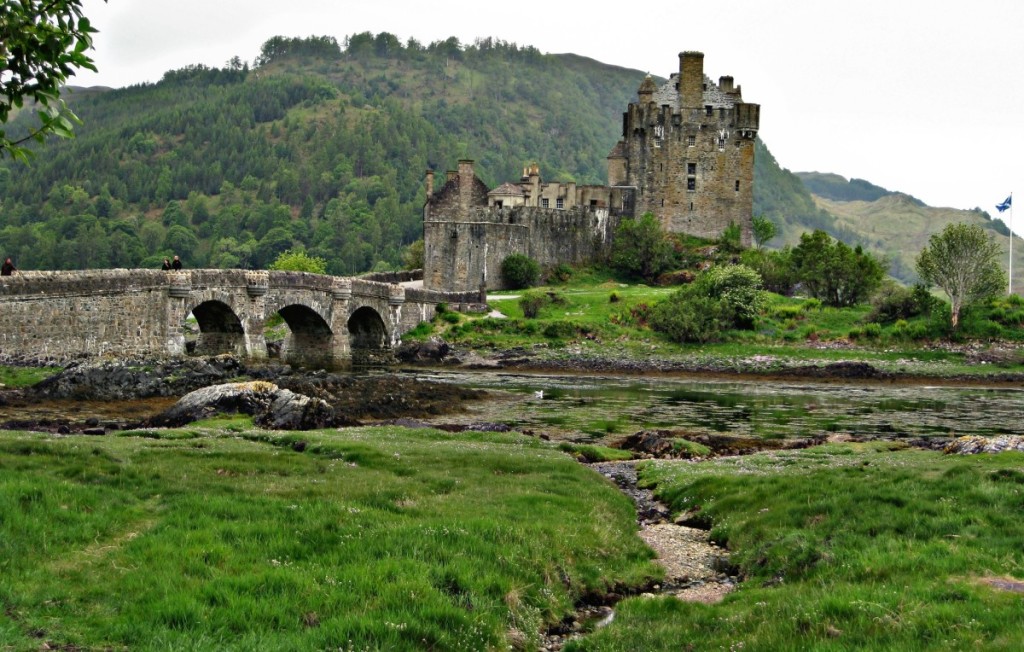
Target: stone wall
x,y
465,255
49,317
55,317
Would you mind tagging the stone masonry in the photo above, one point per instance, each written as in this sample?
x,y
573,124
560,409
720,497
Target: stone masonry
x,y
686,155
56,317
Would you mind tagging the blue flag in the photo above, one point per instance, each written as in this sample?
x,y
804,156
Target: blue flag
x,y
1006,204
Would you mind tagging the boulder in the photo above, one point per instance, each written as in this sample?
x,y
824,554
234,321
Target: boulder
x,y
974,445
270,406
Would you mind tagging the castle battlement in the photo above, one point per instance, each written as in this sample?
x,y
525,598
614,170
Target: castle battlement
x,y
686,155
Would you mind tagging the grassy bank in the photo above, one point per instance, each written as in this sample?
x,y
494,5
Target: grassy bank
x,y
599,318
221,537
845,547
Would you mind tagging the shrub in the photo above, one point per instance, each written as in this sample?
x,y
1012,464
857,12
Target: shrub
x,y
720,299
560,329
775,267
873,331
532,302
641,248
689,319
732,238
738,288
810,305
560,273
613,298
788,312
519,271
833,272
451,317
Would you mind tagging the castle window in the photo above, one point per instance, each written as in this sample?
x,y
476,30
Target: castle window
x,y
710,111
691,183
737,185
691,168
497,203
721,144
691,141
560,203
544,202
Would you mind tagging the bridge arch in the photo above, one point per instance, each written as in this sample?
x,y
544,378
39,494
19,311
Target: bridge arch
x,y
368,336
310,341
220,329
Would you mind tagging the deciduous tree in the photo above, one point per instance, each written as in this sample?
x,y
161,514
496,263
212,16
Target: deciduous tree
x,y
42,43
963,262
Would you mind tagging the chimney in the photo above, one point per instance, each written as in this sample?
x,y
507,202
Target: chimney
x,y
725,83
691,80
430,183
466,177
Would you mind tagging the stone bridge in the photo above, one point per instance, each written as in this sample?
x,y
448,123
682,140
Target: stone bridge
x,y
334,322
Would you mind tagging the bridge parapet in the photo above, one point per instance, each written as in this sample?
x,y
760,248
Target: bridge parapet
x,y
50,316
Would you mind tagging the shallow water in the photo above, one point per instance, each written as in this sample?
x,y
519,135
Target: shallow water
x,y
602,408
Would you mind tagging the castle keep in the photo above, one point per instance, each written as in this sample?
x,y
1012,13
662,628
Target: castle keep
x,y
686,155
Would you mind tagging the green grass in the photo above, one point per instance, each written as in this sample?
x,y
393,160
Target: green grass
x,y
218,537
24,376
583,321
845,547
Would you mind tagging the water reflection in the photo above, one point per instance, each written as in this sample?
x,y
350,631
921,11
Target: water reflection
x,y
602,407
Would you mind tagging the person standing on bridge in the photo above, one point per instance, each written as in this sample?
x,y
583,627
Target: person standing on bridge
x,y
176,264
167,265
7,268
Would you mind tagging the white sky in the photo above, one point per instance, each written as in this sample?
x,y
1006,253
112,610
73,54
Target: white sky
x,y
921,96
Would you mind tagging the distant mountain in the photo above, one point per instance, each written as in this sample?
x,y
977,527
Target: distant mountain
x,y
835,187
898,227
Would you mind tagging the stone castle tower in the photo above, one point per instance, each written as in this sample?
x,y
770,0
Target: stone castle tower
x,y
686,155
688,150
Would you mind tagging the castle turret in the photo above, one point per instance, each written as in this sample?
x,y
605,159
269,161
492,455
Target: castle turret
x,y
465,184
691,80
646,90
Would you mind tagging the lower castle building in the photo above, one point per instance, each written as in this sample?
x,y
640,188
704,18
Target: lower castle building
x,y
686,155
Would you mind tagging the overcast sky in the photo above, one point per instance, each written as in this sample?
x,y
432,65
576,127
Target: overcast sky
x,y
921,96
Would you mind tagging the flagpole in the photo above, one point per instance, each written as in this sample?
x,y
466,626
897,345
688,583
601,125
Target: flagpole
x,y
1009,290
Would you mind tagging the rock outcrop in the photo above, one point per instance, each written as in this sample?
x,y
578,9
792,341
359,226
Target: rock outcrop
x,y
269,405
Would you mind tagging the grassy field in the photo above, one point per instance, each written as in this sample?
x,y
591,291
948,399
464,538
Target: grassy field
x,y
845,547
221,537
600,317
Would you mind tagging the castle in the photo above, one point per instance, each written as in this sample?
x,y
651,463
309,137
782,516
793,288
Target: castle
x,y
686,155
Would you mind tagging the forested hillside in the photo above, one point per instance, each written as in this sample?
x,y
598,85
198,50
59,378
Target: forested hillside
x,y
324,147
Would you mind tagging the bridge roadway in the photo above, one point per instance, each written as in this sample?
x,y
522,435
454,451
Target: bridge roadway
x,y
55,317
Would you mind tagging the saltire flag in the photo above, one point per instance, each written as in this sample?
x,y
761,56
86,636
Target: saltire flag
x,y
1006,204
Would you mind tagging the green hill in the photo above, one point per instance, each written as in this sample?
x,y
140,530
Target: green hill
x,y
325,147
898,227
316,146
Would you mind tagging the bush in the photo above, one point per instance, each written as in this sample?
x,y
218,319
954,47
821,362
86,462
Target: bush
x,y
532,302
738,288
831,271
560,273
873,331
720,299
732,238
775,267
641,248
696,319
519,271
559,330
